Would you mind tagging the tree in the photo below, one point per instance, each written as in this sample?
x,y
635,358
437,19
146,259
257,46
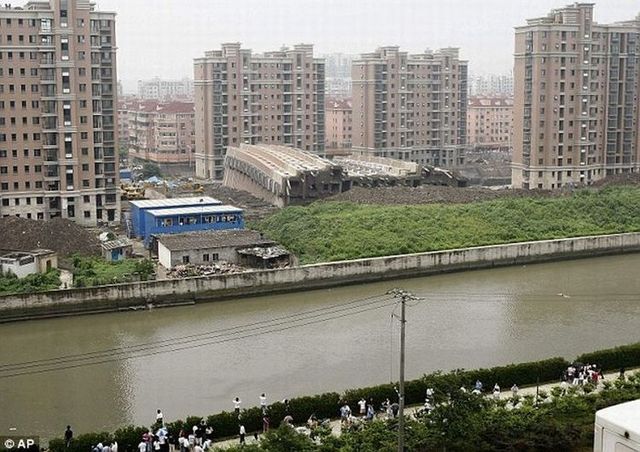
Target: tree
x,y
150,169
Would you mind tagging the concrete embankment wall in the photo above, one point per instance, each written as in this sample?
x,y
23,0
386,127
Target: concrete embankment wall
x,y
201,289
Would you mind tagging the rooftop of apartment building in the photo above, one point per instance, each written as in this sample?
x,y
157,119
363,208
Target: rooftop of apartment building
x,y
172,107
338,104
485,101
231,49
428,54
567,15
45,5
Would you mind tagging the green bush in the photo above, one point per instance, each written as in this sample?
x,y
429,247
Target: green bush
x,y
613,358
520,374
330,231
11,284
129,437
95,271
81,443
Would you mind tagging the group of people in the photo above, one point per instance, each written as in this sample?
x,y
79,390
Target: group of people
x,y
479,387
578,374
237,404
367,412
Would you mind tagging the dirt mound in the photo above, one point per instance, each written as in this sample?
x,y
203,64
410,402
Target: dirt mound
x,y
60,235
619,179
255,208
432,194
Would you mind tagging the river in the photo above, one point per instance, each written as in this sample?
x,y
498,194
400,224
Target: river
x,y
304,343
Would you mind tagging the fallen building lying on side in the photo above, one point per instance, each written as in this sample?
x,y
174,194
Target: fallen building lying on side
x,y
281,175
370,171
287,176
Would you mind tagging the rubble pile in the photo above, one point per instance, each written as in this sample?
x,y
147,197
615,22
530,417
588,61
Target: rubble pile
x,y
433,194
219,268
255,209
60,235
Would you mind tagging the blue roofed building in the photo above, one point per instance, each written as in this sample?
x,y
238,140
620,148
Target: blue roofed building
x,y
138,209
188,219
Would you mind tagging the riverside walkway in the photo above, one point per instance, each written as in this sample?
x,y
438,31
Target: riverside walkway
x,y
410,410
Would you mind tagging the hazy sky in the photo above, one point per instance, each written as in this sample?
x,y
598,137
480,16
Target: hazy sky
x,y
161,37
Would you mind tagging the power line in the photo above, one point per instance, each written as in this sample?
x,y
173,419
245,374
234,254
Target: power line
x,y
57,366
339,307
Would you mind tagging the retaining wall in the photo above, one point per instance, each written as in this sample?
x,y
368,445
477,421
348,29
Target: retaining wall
x,y
204,289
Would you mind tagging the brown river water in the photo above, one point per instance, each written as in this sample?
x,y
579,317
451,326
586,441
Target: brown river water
x,y
194,360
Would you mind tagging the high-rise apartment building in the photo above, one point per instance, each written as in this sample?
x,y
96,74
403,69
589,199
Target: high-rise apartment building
x,y
242,97
411,107
159,132
491,85
576,99
338,75
490,122
57,100
166,90
339,124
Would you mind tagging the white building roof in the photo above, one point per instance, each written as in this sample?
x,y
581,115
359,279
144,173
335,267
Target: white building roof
x,y
175,202
621,418
195,210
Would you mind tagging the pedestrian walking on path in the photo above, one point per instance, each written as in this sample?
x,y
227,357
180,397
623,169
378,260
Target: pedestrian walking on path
x,y
243,432
496,392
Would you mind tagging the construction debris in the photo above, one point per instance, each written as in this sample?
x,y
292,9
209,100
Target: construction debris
x,y
219,268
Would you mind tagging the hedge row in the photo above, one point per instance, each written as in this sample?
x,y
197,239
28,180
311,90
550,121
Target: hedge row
x,y
614,358
505,376
225,424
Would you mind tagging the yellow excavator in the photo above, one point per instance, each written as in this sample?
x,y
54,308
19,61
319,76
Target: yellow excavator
x,y
193,187
131,192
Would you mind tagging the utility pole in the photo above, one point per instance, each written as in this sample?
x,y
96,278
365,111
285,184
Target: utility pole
x,y
403,321
403,296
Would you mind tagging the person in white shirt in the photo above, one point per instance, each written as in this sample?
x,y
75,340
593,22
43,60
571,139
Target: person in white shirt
x,y
142,447
263,403
159,417
242,433
236,405
362,403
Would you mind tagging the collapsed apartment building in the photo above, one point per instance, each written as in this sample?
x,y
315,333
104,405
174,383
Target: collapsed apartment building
x,y
281,175
286,176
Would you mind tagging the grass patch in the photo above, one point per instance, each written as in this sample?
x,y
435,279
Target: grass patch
x,y
10,284
93,271
326,231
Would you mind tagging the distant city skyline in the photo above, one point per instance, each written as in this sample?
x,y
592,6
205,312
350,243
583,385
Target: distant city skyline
x,y
174,33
